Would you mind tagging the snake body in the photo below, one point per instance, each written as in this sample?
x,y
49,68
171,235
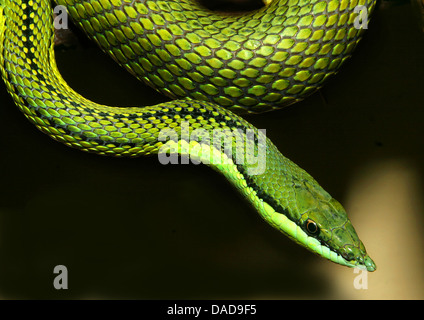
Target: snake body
x,y
260,61
262,46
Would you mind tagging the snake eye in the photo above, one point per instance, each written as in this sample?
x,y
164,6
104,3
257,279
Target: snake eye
x,y
311,227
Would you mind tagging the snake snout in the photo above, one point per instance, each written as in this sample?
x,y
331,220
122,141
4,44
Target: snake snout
x,y
359,256
369,264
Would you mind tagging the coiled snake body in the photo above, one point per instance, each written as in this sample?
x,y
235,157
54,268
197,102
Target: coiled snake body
x,y
214,65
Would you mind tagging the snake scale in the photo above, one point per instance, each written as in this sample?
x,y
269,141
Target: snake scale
x,y
214,67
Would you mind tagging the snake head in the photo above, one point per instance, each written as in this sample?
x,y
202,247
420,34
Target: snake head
x,y
324,218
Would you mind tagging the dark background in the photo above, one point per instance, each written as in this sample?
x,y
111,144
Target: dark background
x,y
132,228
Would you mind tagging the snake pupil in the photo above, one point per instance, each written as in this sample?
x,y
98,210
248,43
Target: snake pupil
x,y
311,227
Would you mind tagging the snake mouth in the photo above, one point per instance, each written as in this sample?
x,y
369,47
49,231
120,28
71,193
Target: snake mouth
x,y
357,256
363,263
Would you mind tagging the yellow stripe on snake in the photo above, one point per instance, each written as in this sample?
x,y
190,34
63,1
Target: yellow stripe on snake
x,y
214,65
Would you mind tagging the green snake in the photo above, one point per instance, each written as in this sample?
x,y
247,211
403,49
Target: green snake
x,y
213,66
